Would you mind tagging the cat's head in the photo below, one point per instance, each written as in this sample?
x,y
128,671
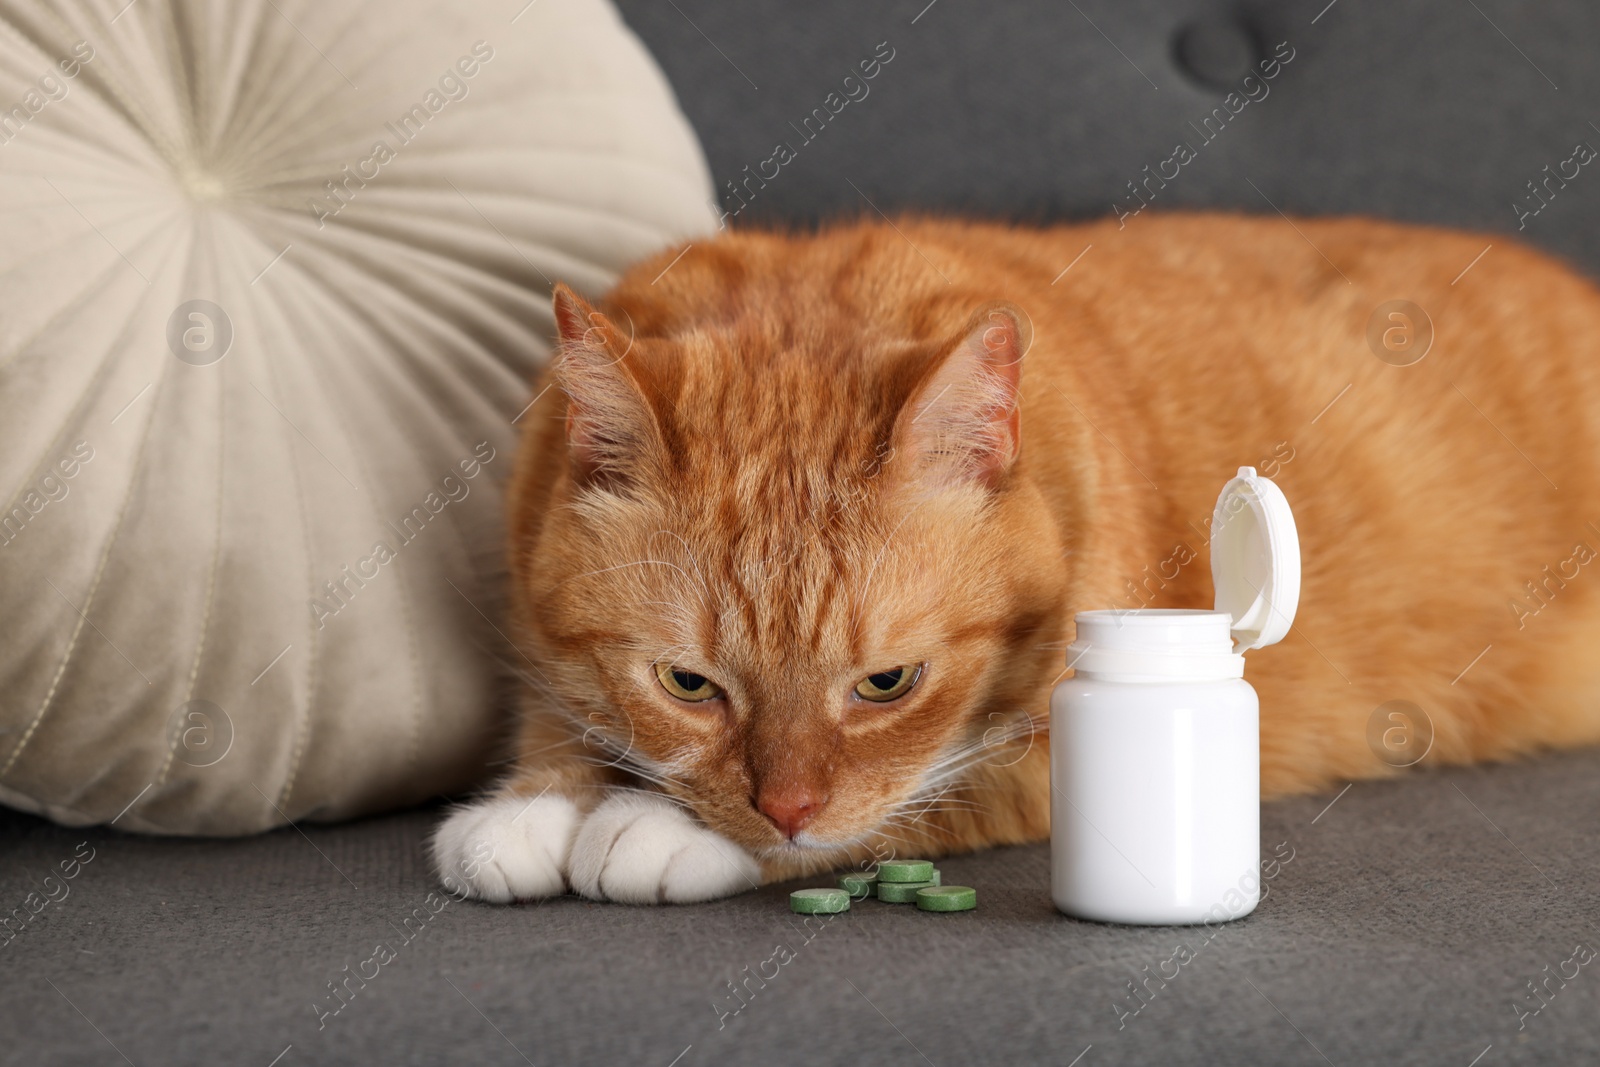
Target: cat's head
x,y
790,572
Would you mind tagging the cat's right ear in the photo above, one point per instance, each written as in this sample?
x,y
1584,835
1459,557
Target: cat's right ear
x,y
962,422
608,421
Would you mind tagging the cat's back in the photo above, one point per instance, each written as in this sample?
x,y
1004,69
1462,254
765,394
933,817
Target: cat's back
x,y
1204,321
1197,342
1159,279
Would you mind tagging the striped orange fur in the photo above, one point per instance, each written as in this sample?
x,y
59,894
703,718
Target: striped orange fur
x,y
790,461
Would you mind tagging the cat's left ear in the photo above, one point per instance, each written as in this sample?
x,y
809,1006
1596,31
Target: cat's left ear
x,y
609,425
962,421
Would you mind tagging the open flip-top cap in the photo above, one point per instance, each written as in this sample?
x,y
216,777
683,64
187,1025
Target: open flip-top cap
x,y
1255,560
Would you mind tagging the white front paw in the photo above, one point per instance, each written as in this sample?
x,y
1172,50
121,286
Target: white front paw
x,y
640,848
506,848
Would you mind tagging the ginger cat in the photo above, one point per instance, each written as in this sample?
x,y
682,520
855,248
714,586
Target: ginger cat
x,y
800,524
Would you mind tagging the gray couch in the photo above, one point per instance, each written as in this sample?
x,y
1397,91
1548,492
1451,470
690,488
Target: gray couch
x,y
1421,920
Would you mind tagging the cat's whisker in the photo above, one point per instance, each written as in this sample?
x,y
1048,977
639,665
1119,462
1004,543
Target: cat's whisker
x,y
541,751
924,808
957,787
900,823
942,817
945,772
939,803
1029,726
653,779
633,762
540,684
656,793
621,756
905,822
519,757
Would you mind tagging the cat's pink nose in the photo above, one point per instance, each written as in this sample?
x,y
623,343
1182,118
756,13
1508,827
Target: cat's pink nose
x,y
790,810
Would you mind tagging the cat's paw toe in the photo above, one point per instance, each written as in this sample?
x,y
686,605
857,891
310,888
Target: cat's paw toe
x,y
506,848
637,848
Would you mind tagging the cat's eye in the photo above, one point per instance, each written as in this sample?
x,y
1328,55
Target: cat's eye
x,y
885,686
686,685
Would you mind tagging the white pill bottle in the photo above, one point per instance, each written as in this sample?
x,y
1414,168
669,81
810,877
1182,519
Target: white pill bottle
x,y
1155,758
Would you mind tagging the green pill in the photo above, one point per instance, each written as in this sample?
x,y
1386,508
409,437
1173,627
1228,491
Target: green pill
x,y
905,871
858,885
902,892
819,901
947,898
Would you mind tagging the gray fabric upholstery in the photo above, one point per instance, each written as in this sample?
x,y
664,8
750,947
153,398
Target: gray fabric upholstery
x,y
1403,929
1413,913
1434,111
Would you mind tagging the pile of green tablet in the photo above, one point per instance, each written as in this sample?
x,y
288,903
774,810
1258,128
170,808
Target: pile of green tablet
x,y
896,882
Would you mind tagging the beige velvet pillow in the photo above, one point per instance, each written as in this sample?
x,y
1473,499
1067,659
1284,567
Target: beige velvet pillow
x,y
276,275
